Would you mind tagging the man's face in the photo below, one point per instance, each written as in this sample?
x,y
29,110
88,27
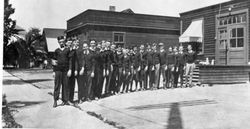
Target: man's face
x,y
189,47
170,49
85,46
76,43
135,49
175,49
154,48
149,49
181,48
68,43
113,47
61,43
162,47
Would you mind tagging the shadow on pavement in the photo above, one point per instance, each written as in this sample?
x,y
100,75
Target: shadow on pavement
x,y
21,104
169,105
13,82
174,120
19,82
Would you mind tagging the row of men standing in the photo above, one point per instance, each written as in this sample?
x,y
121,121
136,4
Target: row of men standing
x,y
118,67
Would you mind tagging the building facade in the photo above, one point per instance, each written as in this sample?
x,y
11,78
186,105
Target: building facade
x,y
224,31
125,28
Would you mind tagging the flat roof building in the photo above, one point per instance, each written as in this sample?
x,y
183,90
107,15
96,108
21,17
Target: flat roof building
x,y
126,27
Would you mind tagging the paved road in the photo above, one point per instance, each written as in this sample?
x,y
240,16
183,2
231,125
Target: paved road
x,y
219,106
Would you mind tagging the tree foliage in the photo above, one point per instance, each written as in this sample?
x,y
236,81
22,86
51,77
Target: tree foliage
x,y
9,24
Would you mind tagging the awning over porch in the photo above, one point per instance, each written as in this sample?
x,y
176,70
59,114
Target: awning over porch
x,y
194,33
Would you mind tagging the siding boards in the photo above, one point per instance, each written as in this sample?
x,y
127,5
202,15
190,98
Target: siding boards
x,y
209,14
124,19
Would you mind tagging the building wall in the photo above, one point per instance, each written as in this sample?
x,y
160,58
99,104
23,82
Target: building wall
x,y
132,38
209,16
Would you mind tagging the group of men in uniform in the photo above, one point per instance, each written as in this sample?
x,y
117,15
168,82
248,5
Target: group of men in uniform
x,y
104,69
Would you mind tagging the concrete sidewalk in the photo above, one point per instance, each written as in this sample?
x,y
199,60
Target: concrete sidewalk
x,y
34,108
217,107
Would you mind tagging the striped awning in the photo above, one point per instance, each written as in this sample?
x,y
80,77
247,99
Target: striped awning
x,y
194,33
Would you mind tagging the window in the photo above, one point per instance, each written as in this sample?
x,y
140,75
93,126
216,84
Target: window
x,y
237,37
233,19
119,37
222,38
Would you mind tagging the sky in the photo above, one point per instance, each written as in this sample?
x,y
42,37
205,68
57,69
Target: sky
x,y
55,13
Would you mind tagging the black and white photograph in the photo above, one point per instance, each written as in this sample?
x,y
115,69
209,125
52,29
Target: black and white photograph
x,y
125,64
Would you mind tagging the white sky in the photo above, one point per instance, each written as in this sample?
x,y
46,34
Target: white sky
x,y
54,13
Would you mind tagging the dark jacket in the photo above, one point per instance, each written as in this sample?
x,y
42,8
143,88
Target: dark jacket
x,y
190,57
163,57
156,58
170,58
89,61
62,57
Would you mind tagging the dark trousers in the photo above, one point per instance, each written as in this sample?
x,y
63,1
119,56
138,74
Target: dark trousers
x,y
135,77
125,80
119,80
169,77
71,84
163,73
145,78
176,75
181,73
81,87
151,77
107,85
113,81
99,79
61,79
88,84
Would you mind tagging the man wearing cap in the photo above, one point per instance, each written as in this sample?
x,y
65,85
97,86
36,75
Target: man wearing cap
x,y
61,66
163,59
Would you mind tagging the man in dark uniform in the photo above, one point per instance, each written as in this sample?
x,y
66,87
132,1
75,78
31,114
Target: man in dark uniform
x,y
150,69
170,68
72,60
163,59
108,68
126,70
89,66
156,66
114,71
79,72
119,58
61,66
99,68
176,67
141,69
135,62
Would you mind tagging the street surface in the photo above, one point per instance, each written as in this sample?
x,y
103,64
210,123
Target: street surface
x,y
209,107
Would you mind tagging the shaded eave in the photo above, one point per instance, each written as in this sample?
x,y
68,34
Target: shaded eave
x,y
125,26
